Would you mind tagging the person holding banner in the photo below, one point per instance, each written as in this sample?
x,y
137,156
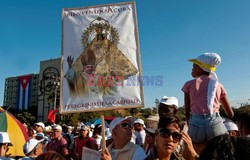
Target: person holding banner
x,y
122,148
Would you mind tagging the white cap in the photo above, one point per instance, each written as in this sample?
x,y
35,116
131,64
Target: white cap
x,y
118,120
140,121
84,127
169,101
4,137
30,145
230,125
207,61
40,124
92,126
57,127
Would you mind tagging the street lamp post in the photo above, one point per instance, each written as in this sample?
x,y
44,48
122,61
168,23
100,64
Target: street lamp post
x,y
56,84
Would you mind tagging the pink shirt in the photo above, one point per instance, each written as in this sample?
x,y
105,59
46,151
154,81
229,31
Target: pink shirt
x,y
197,90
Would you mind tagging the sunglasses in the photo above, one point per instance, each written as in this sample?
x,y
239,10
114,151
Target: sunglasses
x,y
125,125
165,133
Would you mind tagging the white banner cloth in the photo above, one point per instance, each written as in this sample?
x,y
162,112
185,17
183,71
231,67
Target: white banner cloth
x,y
101,66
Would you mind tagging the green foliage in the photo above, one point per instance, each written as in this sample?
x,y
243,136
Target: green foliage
x,y
26,118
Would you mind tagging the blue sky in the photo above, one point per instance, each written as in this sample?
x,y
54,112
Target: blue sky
x,y
170,33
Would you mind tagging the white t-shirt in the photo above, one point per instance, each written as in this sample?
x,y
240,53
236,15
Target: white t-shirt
x,y
140,137
98,139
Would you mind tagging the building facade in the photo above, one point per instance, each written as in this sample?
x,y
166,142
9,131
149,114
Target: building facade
x,y
35,90
49,83
21,92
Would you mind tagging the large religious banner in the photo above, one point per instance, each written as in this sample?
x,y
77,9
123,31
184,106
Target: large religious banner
x,y
101,68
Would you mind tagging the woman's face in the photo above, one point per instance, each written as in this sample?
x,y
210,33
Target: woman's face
x,y
84,133
149,139
168,138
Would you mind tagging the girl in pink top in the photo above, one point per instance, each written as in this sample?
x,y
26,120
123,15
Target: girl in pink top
x,y
203,96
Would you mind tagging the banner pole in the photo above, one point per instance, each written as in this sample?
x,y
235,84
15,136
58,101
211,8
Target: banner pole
x,y
103,134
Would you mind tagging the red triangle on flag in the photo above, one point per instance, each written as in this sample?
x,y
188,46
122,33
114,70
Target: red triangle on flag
x,y
24,81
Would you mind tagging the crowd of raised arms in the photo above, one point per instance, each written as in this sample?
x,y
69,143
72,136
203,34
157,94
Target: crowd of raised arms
x,y
205,134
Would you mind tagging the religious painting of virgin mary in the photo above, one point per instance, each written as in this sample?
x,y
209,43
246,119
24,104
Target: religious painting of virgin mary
x,y
100,61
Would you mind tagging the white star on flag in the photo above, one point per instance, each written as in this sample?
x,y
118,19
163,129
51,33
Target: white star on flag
x,y
24,81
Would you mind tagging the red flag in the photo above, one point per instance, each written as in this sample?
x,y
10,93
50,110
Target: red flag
x,y
52,116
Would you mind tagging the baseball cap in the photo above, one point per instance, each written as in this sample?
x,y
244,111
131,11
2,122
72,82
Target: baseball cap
x,y
57,127
140,121
4,138
169,101
40,124
230,125
207,61
118,120
30,145
84,127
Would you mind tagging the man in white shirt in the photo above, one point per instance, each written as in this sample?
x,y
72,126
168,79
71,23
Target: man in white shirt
x,y
122,148
139,132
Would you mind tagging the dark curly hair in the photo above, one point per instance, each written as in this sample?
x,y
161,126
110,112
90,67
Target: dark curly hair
x,y
224,147
169,119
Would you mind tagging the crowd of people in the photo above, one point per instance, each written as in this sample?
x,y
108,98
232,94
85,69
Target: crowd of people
x,y
205,134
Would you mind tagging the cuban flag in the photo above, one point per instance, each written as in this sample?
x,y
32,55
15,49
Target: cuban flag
x,y
23,92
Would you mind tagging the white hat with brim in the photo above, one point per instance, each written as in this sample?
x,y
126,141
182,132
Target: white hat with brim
x,y
207,61
118,120
40,124
169,101
230,126
4,138
30,145
140,121
57,127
